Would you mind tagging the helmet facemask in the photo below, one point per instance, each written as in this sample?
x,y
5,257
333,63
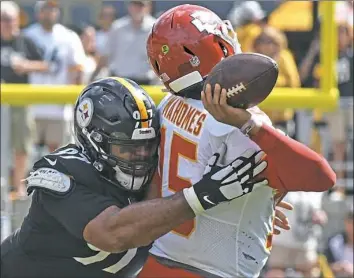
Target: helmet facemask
x,y
133,161
228,34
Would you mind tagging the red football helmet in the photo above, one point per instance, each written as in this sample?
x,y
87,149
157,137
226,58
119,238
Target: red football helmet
x,y
185,43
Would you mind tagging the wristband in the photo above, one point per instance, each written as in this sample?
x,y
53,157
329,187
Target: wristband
x,y
192,200
250,124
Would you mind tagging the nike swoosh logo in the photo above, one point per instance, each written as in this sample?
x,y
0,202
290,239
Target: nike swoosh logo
x,y
206,199
51,162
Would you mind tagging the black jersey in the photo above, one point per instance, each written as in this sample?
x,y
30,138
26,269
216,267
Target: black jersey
x,y
50,241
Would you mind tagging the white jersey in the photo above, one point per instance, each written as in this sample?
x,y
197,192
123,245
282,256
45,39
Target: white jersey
x,y
232,239
61,47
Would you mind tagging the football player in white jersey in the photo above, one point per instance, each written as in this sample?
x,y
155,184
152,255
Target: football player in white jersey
x,y
234,238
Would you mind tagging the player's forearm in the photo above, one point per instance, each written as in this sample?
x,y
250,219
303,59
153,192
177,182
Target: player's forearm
x,y
141,223
116,230
298,167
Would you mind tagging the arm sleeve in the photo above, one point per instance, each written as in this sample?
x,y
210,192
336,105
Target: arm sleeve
x,y
298,167
75,211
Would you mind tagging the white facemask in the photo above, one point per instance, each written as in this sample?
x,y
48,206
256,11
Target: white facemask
x,y
229,35
126,180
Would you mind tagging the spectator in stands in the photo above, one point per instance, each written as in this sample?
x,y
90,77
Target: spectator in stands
x,y
247,18
340,121
105,19
309,66
126,46
19,57
63,49
87,34
297,248
339,251
344,12
273,43
297,19
243,13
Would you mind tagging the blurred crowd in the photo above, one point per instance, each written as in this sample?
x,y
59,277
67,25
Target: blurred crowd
x,y
48,52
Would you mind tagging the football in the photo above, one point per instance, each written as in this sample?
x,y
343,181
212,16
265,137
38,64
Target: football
x,y
247,77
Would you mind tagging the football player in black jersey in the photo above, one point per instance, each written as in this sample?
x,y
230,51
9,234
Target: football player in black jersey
x,y
93,213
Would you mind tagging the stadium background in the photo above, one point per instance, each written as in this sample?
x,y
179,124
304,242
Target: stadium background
x,y
292,27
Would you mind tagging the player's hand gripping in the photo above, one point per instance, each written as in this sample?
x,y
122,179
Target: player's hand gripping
x,y
216,104
225,183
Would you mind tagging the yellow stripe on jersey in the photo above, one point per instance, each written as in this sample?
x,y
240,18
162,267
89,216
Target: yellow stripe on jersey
x,y
138,99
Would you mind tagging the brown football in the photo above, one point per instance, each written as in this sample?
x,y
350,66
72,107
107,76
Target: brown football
x,y
247,77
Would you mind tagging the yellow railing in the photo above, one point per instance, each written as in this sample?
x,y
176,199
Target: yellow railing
x,y
324,98
279,98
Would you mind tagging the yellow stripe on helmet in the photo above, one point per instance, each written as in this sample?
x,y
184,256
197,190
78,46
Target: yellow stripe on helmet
x,y
138,99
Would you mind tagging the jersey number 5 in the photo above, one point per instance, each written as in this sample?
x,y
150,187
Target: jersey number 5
x,y
179,147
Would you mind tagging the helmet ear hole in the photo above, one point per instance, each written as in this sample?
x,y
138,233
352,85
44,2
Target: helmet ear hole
x,y
188,51
157,66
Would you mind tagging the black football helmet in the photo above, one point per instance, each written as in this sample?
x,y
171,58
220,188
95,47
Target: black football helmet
x,y
117,125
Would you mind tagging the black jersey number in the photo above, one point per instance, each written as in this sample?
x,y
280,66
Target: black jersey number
x,y
102,255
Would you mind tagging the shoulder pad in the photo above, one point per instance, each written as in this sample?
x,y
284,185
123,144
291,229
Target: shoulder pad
x,y
66,160
50,181
72,162
164,101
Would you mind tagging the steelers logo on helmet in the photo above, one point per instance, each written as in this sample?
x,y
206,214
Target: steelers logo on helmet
x,y
84,112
